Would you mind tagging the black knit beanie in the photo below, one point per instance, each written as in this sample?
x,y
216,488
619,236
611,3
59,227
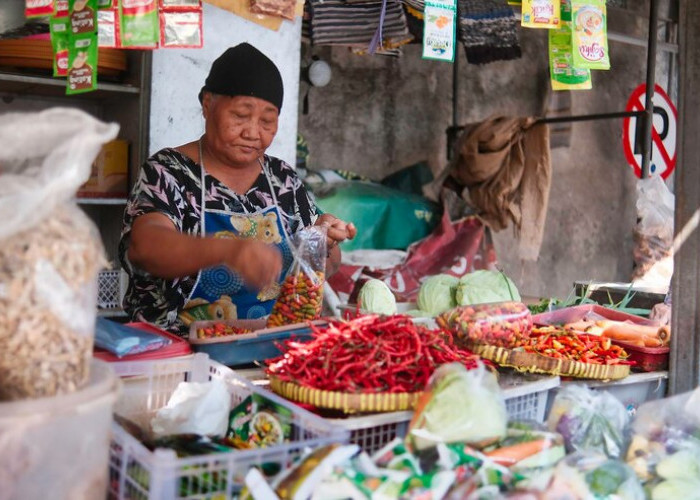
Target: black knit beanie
x,y
245,71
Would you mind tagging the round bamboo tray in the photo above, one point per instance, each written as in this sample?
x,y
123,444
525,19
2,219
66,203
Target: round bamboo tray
x,y
536,363
346,402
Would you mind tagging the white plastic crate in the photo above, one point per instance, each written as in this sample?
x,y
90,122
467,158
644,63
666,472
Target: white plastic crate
x,y
109,291
526,399
138,473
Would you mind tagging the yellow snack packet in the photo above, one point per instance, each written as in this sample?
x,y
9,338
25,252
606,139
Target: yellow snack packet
x,y
540,13
590,35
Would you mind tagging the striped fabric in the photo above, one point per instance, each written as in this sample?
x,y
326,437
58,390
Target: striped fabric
x,y
352,23
489,30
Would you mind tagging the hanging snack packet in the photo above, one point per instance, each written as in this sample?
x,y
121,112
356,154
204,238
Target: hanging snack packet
x,y
59,26
181,29
108,28
180,4
138,21
439,30
38,8
301,294
564,75
279,8
82,64
590,34
83,16
540,13
62,8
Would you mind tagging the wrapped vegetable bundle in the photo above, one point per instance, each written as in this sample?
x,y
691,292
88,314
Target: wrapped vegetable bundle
x,y
504,324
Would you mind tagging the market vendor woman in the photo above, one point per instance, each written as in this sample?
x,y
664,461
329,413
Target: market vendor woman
x,y
217,252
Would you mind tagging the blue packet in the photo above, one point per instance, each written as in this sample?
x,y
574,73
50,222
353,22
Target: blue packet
x,y
122,340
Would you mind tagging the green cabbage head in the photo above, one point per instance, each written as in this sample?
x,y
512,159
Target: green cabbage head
x,y
436,294
375,297
481,287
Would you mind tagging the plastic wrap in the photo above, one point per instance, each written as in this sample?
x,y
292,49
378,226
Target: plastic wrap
x,y
301,294
50,252
503,324
589,420
665,444
280,8
122,340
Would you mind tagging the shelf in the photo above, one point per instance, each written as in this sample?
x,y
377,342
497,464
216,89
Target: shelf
x,y
101,201
17,83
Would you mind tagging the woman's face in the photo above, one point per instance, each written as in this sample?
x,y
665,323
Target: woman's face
x,y
239,129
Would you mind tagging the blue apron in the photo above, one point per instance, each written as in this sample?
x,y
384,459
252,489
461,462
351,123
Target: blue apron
x,y
219,293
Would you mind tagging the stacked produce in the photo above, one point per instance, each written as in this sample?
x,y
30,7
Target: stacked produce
x,y
220,330
369,354
300,299
557,342
505,324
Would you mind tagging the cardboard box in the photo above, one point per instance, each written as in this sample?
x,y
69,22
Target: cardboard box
x,y
110,172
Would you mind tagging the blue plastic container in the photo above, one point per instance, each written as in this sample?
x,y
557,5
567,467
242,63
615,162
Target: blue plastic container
x,y
246,348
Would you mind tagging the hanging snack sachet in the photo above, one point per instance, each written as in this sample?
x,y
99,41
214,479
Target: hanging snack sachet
x,y
590,34
540,13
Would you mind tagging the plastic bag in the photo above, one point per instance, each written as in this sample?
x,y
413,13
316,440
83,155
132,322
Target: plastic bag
x,y
280,8
593,475
653,235
50,251
665,443
194,408
301,294
460,406
589,420
503,324
122,340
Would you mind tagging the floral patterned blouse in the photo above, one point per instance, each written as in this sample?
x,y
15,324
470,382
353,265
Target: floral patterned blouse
x,y
170,183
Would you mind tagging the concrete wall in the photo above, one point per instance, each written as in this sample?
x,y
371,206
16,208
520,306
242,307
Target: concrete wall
x,y
378,115
178,75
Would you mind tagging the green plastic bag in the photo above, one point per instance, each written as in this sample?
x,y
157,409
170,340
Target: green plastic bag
x,y
385,218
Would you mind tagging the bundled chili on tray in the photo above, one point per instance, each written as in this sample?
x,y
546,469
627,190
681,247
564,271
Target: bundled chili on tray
x,y
557,342
369,354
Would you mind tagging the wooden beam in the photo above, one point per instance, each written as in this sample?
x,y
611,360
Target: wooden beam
x,y
685,348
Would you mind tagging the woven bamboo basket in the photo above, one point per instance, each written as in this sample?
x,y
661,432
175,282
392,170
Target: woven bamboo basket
x,y
536,363
346,402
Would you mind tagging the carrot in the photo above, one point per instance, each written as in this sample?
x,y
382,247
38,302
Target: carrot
x,y
629,332
510,455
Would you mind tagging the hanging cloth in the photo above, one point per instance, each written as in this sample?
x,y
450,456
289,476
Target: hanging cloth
x,y
489,30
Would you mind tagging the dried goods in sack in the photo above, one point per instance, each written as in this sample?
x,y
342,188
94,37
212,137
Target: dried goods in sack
x,y
50,252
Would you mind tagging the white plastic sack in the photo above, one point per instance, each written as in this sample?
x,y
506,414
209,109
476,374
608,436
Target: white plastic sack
x,y
50,251
194,408
44,158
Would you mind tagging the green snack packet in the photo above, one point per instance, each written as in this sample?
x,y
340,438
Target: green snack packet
x,y
107,4
138,20
590,34
60,39
82,64
563,74
83,16
257,423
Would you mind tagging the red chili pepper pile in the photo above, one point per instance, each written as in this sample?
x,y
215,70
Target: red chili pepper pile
x,y
556,342
369,354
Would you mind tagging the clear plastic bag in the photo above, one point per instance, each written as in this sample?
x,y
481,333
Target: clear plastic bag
x,y
503,324
665,444
589,420
653,235
300,297
50,251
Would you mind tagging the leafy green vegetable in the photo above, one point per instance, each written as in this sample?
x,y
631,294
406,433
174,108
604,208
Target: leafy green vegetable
x,y
484,286
375,297
607,479
436,294
684,464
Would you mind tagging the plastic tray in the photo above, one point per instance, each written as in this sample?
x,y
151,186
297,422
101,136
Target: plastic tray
x,y
526,399
177,347
138,473
261,344
646,359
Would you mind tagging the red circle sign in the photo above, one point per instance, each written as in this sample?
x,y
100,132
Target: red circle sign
x,y
663,134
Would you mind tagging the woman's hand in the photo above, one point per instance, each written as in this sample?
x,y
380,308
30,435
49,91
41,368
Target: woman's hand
x,y
257,263
337,230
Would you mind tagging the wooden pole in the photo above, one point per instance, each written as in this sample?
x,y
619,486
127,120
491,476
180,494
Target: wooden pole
x,y
685,345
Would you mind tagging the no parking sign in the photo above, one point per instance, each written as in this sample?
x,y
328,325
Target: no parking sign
x,y
663,133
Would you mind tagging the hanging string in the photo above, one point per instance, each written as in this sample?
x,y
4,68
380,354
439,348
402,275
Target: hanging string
x,y
377,39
